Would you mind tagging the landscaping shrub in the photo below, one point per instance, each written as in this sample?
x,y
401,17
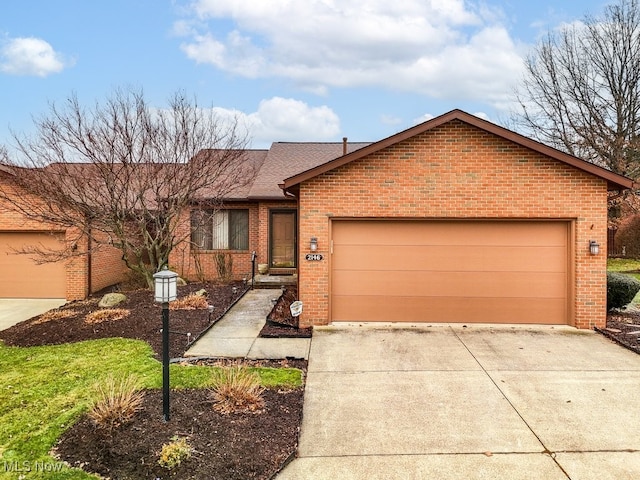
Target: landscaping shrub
x,y
174,452
236,389
621,289
116,402
190,302
55,315
106,314
224,266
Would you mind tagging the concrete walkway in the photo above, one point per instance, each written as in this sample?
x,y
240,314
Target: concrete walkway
x,y
236,334
16,310
448,402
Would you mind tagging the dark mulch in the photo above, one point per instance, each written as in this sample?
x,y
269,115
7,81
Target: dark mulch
x,y
241,446
280,322
620,328
144,321
235,446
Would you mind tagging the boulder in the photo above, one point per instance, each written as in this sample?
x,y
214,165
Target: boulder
x,y
111,300
201,293
180,282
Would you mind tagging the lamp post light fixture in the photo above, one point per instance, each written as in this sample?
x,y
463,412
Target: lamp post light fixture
x,y
165,292
594,247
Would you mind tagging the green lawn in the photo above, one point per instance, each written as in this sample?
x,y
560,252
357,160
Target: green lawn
x,y
43,390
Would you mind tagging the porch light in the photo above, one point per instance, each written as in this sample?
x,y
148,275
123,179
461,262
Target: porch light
x,y
313,246
594,247
166,283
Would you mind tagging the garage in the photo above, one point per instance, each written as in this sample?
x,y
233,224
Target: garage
x,y
450,271
22,277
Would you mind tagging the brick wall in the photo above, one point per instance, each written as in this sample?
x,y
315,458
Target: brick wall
x,y
76,268
457,171
107,267
196,265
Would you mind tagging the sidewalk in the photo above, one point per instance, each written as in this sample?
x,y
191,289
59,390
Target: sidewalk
x,y
236,334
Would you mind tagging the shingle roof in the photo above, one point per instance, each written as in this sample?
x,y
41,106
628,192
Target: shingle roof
x,y
286,159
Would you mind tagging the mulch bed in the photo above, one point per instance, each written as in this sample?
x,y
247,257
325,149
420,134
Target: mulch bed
x,y
236,446
226,447
280,322
620,328
143,323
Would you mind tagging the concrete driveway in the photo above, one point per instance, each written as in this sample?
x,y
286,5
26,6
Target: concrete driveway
x,y
449,402
16,310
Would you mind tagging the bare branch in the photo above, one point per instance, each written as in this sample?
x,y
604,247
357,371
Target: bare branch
x,y
123,173
581,91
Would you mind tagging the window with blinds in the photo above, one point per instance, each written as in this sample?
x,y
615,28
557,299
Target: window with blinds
x,y
220,229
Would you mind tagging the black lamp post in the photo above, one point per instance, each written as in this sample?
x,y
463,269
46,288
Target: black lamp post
x,y
165,292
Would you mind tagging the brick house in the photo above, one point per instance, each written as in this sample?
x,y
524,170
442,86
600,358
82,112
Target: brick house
x,y
73,279
453,220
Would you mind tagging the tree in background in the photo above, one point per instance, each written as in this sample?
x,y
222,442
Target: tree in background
x,y
123,174
581,91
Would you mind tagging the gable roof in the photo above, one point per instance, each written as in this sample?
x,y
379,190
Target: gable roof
x,y
614,181
285,159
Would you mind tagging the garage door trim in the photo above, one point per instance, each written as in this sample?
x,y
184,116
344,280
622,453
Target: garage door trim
x,y
568,308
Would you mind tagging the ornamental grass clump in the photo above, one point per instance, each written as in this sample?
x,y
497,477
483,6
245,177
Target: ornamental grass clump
x,y
106,315
190,302
117,401
237,389
174,452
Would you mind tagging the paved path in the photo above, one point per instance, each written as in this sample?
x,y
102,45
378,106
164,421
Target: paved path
x,y
236,334
448,402
16,310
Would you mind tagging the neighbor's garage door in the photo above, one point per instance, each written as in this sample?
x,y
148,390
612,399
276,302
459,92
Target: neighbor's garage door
x,y
441,271
21,277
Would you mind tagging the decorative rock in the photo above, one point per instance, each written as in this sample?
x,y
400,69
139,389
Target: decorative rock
x,y
180,282
111,300
201,293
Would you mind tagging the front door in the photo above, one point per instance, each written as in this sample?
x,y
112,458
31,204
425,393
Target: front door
x,y
283,239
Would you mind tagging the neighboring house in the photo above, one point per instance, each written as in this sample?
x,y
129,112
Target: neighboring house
x,y
453,220
73,279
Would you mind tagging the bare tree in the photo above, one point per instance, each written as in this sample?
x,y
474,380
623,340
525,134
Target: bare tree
x,y
581,91
124,174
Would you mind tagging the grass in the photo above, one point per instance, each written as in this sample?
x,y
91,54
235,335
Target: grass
x,y
44,390
625,265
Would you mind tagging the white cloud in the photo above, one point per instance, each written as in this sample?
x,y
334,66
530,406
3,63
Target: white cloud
x,y
448,49
29,56
285,119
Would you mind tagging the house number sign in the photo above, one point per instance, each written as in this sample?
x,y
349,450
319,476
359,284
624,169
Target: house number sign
x,y
314,257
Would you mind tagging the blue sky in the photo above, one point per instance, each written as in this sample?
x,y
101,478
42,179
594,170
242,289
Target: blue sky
x,y
292,70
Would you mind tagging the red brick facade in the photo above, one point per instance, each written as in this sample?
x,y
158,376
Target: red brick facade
x,y
198,265
107,267
458,171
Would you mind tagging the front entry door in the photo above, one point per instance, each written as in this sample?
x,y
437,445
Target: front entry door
x,y
283,239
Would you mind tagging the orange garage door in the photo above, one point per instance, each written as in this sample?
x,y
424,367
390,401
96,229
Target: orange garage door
x,y
21,276
458,271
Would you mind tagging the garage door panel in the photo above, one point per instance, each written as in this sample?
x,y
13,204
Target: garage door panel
x,y
23,277
451,233
445,258
450,284
460,271
458,310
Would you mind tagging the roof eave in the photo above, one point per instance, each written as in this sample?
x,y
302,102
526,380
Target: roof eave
x,y
614,181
